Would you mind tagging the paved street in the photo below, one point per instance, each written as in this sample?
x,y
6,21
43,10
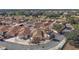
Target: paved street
x,y
13,46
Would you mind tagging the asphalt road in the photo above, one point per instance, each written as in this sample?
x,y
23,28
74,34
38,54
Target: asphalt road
x,y
14,46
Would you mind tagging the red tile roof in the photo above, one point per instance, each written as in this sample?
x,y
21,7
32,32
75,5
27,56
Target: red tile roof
x,y
4,28
19,30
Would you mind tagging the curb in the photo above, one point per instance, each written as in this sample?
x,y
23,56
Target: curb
x,y
60,45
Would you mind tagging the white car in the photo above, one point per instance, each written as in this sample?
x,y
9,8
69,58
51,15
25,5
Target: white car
x,y
3,48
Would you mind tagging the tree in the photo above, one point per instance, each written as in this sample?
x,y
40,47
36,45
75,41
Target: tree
x,y
71,20
57,27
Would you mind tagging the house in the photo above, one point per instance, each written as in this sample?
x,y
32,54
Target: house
x,y
13,31
66,29
38,35
38,25
24,33
3,31
4,28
